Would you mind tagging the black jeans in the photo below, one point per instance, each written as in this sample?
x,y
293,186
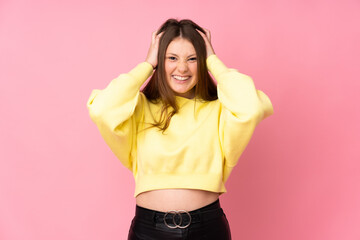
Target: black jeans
x,y
206,223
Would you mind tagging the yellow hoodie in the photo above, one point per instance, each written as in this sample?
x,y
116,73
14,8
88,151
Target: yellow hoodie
x,y
203,142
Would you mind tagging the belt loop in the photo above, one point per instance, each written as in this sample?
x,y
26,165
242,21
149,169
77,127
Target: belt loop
x,y
153,218
201,216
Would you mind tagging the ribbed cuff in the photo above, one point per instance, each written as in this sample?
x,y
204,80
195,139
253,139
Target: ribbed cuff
x,y
141,72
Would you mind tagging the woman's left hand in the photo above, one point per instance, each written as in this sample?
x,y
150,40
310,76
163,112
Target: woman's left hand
x,y
207,39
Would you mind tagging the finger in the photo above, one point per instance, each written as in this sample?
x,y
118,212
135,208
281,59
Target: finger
x,y
157,39
159,35
208,35
205,36
153,36
201,33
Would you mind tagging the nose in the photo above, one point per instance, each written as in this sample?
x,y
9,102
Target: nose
x,y
182,66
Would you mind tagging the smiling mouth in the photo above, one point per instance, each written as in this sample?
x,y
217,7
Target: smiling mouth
x,y
180,78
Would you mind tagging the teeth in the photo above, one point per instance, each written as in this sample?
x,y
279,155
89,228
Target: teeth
x,y
181,78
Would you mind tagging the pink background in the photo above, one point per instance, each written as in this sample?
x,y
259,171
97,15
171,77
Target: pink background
x,y
299,176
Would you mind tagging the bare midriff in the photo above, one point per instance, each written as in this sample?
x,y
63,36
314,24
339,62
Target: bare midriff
x,y
175,199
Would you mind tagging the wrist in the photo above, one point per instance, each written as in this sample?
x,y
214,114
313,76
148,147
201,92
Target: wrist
x,y
152,64
210,52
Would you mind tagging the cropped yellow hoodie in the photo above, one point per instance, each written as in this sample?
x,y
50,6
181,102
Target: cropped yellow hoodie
x,y
203,142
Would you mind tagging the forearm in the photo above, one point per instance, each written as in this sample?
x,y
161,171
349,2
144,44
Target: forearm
x,y
120,91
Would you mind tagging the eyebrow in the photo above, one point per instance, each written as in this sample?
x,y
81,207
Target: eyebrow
x,y
194,54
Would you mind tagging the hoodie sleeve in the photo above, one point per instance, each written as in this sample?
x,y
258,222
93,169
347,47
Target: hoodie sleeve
x,y
242,109
114,110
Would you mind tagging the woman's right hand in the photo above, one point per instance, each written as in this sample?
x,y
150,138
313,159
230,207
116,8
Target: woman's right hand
x,y
154,48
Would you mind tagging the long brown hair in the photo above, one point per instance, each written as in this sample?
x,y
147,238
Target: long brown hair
x,y
158,89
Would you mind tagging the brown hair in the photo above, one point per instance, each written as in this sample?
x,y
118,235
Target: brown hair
x,y
158,89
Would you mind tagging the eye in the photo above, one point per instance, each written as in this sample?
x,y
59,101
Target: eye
x,y
192,59
172,58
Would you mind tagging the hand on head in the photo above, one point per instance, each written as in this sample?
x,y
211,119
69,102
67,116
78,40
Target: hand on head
x,y
207,39
154,48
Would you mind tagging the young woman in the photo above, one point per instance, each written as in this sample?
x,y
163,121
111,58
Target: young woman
x,y
182,135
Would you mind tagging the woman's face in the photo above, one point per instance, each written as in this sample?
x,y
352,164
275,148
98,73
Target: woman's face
x,y
181,67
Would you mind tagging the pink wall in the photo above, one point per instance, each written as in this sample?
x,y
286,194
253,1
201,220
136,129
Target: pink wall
x,y
299,176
